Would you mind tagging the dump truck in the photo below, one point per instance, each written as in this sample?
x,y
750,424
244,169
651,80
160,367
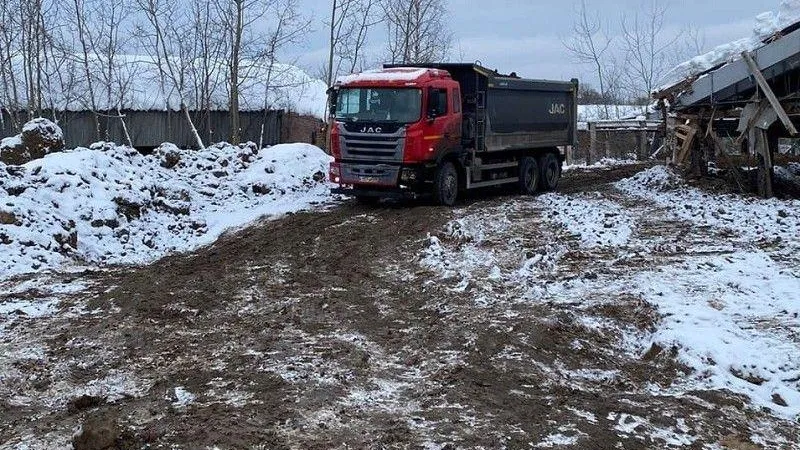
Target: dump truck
x,y
441,129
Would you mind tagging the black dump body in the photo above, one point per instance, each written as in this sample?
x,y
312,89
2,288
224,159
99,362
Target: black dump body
x,y
505,112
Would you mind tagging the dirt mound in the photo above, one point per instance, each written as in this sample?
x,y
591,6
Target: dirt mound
x,y
39,137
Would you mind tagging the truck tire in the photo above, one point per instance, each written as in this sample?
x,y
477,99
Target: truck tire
x,y
528,176
445,184
550,169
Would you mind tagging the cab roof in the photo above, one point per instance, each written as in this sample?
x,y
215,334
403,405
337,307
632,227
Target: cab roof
x,y
395,76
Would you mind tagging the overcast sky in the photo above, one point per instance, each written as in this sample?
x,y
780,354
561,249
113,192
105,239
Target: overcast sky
x,y
525,35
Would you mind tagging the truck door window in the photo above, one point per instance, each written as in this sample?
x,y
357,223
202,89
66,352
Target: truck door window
x,y
437,103
456,101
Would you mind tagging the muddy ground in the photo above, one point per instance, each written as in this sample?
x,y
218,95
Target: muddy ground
x,y
323,330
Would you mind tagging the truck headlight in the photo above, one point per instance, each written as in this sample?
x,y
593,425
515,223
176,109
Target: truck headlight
x,y
335,174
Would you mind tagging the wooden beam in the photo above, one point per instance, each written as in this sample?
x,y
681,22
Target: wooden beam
x,y
773,100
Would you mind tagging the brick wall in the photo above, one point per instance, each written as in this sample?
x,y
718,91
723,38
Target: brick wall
x,y
299,128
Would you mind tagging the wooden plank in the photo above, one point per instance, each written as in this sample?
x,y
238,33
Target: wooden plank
x,y
773,100
686,134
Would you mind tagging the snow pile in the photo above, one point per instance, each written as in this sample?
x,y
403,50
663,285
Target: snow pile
x,y
112,205
766,25
749,218
45,128
655,179
464,247
11,142
596,222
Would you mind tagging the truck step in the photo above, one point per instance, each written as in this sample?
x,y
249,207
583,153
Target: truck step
x,y
504,165
481,184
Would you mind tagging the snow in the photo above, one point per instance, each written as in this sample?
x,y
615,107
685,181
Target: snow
x,y
126,208
11,142
735,316
408,74
596,221
720,270
557,439
138,87
594,113
183,397
766,25
44,127
603,163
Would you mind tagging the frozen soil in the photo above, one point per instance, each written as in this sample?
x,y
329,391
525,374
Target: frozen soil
x,y
493,325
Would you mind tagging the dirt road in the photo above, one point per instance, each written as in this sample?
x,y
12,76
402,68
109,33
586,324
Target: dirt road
x,y
381,327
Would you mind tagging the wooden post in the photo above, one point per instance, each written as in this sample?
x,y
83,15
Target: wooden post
x,y
643,151
773,100
607,144
592,143
759,145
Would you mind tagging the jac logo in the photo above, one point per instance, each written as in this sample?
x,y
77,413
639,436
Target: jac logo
x,y
558,109
372,130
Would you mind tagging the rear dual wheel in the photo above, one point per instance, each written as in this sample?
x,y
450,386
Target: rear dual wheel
x,y
540,173
528,175
550,168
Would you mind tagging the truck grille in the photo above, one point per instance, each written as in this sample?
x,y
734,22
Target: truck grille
x,y
378,147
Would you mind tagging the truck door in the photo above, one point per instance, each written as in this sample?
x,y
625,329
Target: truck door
x,y
443,124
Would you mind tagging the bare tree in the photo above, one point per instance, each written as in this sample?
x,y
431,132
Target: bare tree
x,y
351,21
289,27
417,30
168,47
80,14
207,54
252,45
647,47
589,43
8,57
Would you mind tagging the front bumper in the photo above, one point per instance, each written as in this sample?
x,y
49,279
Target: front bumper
x,y
381,176
362,191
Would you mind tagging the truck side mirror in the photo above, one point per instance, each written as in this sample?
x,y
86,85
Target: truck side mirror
x,y
433,105
333,96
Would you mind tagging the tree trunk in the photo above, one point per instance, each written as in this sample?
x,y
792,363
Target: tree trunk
x,y
196,135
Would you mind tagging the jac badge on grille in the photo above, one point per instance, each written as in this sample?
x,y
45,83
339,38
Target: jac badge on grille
x,y
372,130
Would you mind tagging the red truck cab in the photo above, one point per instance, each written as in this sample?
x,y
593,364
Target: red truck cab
x,y
390,129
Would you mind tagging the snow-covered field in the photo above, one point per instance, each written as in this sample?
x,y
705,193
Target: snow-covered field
x,y
721,271
112,205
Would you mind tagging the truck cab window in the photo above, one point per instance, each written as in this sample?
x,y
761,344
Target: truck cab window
x,y
437,103
456,100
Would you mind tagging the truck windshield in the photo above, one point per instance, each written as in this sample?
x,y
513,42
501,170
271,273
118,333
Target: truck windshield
x,y
402,105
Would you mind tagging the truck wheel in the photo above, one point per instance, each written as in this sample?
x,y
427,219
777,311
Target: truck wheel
x,y
445,184
551,172
528,176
